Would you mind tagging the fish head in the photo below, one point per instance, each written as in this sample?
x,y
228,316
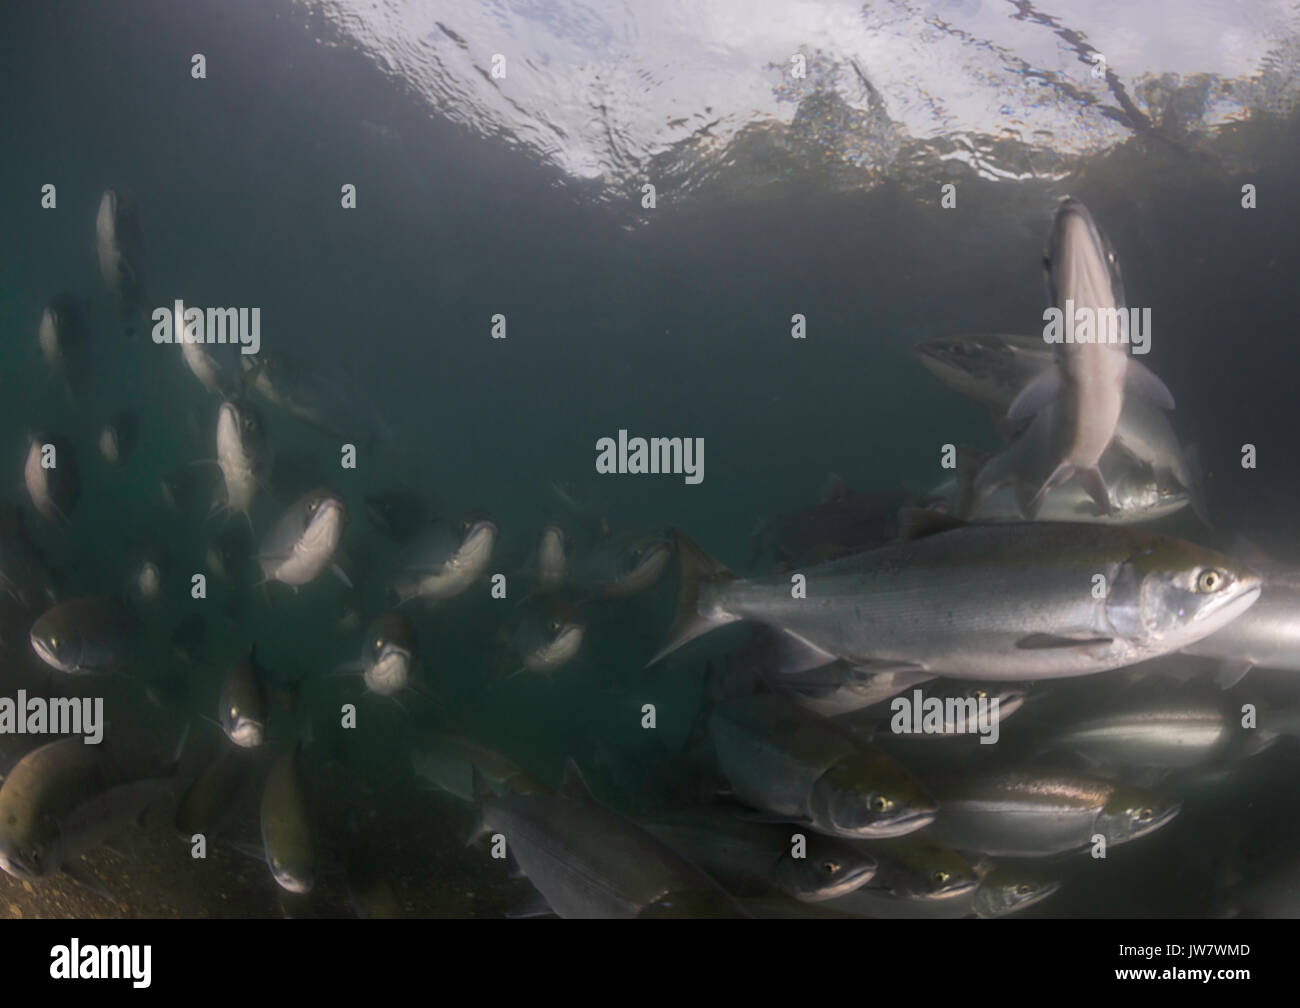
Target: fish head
x,y
476,547
323,516
928,870
243,729
999,896
1081,264
862,796
827,870
1132,812
299,879
389,671
1169,591
241,434
56,643
550,636
28,845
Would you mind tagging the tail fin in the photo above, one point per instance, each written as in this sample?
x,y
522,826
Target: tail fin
x,y
698,569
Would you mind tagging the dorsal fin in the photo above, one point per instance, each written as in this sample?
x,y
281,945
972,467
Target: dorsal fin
x,y
574,785
917,523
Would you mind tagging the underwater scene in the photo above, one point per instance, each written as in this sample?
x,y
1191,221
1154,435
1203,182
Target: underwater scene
x,y
630,459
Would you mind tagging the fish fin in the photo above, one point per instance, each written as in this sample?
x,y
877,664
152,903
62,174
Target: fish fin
x,y
1059,475
1037,395
1230,673
1047,642
698,568
917,523
1141,380
81,874
1095,484
338,573
532,905
574,785
1196,475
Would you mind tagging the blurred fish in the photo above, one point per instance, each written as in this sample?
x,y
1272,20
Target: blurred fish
x,y
735,852
243,454
64,800
117,437
548,633
800,767
1137,492
245,703
51,476
448,762
388,655
302,543
1034,813
587,861
211,796
288,838
119,244
990,369
1007,889
552,557
64,340
843,522
398,514
1089,377
146,572
997,602
322,397
444,561
86,636
624,564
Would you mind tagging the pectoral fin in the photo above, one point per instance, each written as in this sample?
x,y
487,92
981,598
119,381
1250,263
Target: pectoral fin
x,y
1141,380
1037,395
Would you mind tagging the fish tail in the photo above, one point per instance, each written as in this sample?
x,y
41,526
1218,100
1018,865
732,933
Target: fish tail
x,y
698,569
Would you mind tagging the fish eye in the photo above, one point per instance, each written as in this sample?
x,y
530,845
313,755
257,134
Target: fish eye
x,y
311,508
940,877
979,694
1024,889
379,642
554,626
1143,815
880,803
54,643
1209,580
831,867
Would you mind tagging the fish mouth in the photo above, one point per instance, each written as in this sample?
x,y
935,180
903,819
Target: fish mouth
x,y
852,882
952,890
1228,608
46,653
897,826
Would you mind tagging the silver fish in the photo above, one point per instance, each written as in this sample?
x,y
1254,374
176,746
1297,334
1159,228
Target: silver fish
x,y
444,561
302,543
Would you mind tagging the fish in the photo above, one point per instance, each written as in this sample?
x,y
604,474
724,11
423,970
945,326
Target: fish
x,y
1137,492
243,454
587,861
548,633
215,372
64,340
51,475
1007,889
288,838
211,795
146,573
444,561
448,761
995,602
324,398
552,557
1089,378
989,369
1042,813
841,523
66,798
918,868
388,655
624,564
1266,635
245,704
86,636
399,514
956,703
117,437
735,852
303,542
119,245
798,766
